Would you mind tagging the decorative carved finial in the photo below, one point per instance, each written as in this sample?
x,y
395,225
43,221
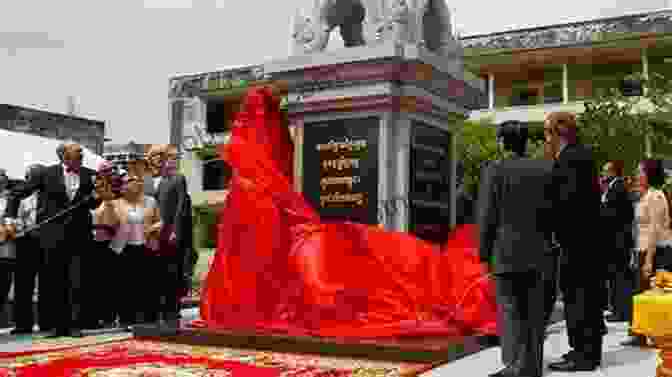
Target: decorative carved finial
x,y
422,22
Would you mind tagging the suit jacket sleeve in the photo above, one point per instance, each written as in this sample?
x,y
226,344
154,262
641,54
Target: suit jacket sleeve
x,y
487,218
21,192
181,187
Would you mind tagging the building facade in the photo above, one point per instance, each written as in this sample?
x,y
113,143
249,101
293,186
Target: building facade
x,y
87,132
530,72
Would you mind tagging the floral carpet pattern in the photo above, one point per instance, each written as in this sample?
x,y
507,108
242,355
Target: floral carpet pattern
x,y
134,358
41,344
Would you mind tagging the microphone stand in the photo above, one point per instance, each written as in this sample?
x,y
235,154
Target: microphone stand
x,y
50,219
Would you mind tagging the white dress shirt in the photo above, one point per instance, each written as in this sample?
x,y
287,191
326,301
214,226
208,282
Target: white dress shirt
x,y
71,182
157,182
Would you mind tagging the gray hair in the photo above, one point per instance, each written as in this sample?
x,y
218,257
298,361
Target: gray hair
x,y
34,169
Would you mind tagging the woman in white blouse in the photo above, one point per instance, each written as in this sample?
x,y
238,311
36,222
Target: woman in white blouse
x,y
135,217
653,240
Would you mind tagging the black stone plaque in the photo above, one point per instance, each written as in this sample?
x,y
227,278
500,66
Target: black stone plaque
x,y
340,168
430,186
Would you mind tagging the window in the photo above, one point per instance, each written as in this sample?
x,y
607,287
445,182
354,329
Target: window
x,y
216,117
525,97
216,175
592,80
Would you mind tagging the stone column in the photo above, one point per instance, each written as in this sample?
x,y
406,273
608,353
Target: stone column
x,y
491,91
565,84
385,170
402,160
298,155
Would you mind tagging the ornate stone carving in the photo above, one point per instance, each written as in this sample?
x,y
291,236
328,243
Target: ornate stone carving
x,y
574,33
422,22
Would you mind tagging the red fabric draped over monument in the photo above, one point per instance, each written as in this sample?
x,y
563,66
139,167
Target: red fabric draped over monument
x,y
278,267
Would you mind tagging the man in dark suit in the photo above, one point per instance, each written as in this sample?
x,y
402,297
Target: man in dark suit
x,y
576,214
514,212
62,186
170,190
30,263
617,216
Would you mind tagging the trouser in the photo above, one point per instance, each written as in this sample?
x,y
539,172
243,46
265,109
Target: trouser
x,y
168,285
550,281
522,331
583,293
31,264
64,279
6,273
621,286
134,299
102,273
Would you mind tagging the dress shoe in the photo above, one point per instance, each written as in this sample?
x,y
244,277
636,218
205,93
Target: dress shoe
x,y
571,355
574,366
635,341
57,334
506,372
614,318
20,331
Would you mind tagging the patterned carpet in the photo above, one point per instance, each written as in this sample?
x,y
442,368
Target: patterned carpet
x,y
133,358
40,344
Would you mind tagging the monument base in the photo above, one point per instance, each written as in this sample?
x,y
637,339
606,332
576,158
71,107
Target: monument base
x,y
434,350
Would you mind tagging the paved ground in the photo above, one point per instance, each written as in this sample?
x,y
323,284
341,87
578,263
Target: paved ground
x,y
617,361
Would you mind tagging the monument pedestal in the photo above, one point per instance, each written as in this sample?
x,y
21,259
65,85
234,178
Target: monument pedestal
x,y
374,129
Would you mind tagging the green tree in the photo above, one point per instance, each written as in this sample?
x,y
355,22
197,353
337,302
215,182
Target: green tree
x,y
617,127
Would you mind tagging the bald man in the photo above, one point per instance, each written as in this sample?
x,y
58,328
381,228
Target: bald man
x,y
66,185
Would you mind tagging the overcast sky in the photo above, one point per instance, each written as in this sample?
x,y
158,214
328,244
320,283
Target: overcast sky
x,y
117,56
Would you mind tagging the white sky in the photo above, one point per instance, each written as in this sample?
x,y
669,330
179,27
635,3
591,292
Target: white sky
x,y
118,55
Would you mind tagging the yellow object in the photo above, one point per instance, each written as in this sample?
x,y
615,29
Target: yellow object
x,y
652,314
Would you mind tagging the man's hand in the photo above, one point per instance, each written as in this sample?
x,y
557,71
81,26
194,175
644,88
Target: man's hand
x,y
647,269
103,189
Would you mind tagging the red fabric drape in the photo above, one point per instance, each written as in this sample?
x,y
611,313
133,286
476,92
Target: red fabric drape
x,y
277,266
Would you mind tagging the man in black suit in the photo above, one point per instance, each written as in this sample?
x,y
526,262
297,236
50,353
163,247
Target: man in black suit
x,y
170,189
30,263
513,218
617,217
577,217
61,186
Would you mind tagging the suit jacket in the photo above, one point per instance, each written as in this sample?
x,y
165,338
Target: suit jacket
x,y
514,215
617,216
172,197
576,213
75,227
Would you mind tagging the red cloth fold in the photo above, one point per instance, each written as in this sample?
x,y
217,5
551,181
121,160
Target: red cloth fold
x,y
278,267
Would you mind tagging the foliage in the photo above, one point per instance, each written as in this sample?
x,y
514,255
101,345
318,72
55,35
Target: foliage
x,y
207,152
205,221
477,144
617,126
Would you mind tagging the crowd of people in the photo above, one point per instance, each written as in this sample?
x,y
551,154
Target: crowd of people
x,y
113,248
603,240
110,248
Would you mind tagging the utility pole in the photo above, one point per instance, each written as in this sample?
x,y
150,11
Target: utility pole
x,y
72,106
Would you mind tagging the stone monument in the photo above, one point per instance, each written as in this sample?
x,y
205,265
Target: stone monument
x,y
375,122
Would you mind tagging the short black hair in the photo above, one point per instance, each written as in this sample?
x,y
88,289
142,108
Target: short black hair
x,y
654,171
514,136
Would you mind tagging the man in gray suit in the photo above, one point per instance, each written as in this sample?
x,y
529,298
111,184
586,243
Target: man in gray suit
x,y
170,190
513,218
